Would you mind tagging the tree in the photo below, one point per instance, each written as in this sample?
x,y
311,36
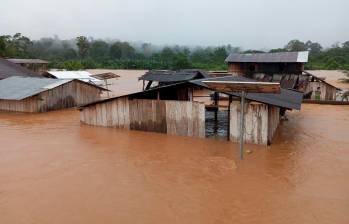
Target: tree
x,y
99,49
277,50
296,45
313,47
83,46
346,44
122,50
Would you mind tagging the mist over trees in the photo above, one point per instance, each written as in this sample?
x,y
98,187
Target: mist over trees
x,y
85,52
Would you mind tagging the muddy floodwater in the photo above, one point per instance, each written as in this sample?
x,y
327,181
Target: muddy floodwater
x,y
54,170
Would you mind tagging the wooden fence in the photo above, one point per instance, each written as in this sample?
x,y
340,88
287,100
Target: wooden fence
x,y
163,116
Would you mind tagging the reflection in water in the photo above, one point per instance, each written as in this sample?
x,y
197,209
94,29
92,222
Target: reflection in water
x,y
54,170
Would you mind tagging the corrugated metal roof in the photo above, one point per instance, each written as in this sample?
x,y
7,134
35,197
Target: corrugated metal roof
x,y
286,99
8,69
19,88
289,99
27,61
172,76
280,57
81,75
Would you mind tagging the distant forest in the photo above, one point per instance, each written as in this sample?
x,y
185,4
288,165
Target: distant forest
x,y
88,53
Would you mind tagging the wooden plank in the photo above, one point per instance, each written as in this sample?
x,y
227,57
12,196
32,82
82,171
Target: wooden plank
x,y
249,87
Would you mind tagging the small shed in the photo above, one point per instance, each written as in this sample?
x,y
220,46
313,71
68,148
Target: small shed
x,y
174,109
9,69
26,94
318,89
36,65
269,63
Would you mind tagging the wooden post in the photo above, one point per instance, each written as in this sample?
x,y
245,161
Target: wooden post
x,y
106,86
228,131
158,93
242,124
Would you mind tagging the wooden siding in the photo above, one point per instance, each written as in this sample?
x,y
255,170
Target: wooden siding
x,y
273,121
163,116
68,95
327,92
261,122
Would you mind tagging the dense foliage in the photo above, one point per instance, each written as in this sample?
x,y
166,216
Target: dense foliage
x,y
85,53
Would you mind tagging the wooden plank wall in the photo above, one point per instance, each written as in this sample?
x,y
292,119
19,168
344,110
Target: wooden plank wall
x,y
163,116
68,95
327,92
273,121
256,123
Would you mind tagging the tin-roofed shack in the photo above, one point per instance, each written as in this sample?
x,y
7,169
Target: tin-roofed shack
x,y
175,109
9,69
26,94
36,65
269,63
287,68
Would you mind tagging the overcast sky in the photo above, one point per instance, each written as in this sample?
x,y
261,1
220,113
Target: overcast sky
x,y
254,24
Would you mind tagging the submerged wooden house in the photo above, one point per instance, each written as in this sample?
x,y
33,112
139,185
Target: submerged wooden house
x,y
27,94
287,68
175,109
36,65
9,69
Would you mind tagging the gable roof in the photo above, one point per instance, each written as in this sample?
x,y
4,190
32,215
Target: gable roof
x,y
279,57
8,69
19,88
172,76
288,99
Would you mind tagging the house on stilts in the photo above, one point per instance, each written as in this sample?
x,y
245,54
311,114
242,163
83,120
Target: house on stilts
x,y
287,68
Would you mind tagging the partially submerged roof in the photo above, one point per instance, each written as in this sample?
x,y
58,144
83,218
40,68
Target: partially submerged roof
x,y
288,99
19,88
81,75
174,76
8,69
319,79
280,57
27,61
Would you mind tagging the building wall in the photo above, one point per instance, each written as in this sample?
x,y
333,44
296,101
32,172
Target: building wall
x,y
163,116
327,92
65,96
261,122
270,68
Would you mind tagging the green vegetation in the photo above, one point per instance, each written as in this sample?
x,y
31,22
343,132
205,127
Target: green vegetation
x,y
85,53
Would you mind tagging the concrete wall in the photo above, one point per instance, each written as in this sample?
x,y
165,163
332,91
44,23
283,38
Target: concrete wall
x,y
327,92
261,122
164,116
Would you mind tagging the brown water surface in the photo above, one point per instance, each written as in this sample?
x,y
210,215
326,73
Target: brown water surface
x,y
54,170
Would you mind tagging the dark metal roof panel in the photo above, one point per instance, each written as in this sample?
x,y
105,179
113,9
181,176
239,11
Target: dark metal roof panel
x,y
172,76
289,99
27,61
280,57
8,69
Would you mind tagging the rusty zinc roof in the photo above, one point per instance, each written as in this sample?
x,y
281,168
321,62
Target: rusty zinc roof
x,y
280,57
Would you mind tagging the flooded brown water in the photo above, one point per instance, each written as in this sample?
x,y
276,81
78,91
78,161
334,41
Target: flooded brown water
x,y
54,170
